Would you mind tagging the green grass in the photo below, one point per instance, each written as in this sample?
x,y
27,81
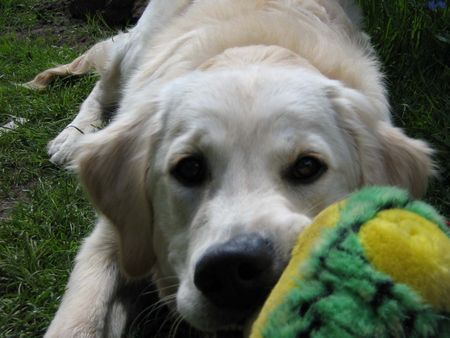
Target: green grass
x,y
414,45
47,214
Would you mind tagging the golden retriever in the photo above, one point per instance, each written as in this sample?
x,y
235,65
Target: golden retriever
x,y
236,122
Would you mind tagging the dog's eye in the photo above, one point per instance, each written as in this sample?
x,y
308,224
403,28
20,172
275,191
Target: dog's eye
x,y
190,171
306,169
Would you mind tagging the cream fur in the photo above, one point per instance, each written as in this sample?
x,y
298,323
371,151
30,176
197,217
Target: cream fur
x,y
249,84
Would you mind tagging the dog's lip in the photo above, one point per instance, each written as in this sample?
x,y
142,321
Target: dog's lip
x,y
229,334
240,328
230,331
234,326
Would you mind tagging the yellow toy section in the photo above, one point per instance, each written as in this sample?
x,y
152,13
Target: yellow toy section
x,y
412,250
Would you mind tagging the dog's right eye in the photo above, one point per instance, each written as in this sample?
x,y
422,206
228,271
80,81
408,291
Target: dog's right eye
x,y
190,171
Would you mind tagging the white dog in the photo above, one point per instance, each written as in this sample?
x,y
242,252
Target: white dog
x,y
236,123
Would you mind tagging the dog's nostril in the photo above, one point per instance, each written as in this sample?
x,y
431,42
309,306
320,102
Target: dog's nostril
x,y
238,273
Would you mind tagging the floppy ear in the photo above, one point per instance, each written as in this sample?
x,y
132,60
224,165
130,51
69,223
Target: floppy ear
x,y
407,161
387,156
112,165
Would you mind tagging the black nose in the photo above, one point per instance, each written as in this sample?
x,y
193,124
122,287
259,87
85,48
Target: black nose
x,y
237,274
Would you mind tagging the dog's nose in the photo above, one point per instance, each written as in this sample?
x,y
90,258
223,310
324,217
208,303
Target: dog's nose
x,y
237,274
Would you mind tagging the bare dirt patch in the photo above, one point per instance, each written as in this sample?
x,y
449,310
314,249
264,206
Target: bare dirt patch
x,y
65,20
16,194
56,22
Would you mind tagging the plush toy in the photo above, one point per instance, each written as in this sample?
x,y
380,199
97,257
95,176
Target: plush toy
x,y
374,265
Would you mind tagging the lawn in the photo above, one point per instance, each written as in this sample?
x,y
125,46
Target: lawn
x,y
44,214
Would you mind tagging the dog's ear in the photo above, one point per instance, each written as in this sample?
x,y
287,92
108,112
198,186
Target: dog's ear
x,y
112,165
387,155
407,161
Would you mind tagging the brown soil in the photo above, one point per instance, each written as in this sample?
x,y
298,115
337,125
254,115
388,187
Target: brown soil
x,y
63,20
55,20
16,195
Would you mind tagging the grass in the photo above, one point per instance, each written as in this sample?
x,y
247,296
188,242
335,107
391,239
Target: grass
x,y
414,44
43,213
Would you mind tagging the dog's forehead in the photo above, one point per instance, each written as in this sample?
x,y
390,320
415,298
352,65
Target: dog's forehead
x,y
250,98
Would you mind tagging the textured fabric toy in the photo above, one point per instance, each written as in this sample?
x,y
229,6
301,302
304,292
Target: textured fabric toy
x,y
374,265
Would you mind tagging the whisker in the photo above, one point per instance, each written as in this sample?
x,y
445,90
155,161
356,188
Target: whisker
x,y
171,315
145,315
158,290
165,278
165,301
174,327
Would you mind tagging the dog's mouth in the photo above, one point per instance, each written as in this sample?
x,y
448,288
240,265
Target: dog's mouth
x,y
147,316
232,332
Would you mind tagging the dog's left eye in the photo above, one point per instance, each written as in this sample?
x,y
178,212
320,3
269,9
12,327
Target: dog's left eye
x,y
306,169
190,171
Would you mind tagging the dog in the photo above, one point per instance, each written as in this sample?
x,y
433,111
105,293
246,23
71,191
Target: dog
x,y
235,123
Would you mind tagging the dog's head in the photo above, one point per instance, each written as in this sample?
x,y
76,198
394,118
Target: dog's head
x,y
209,181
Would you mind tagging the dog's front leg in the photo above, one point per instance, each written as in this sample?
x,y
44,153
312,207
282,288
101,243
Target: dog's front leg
x,y
91,289
88,120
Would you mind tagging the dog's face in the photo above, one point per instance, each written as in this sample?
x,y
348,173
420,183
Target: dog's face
x,y
211,188
242,158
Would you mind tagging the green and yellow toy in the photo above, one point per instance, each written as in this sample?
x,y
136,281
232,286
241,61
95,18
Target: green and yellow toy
x,y
374,265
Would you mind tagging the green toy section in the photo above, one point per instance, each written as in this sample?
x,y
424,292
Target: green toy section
x,y
374,265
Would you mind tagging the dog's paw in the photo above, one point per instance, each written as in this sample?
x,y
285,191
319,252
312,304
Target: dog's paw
x,y
62,148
